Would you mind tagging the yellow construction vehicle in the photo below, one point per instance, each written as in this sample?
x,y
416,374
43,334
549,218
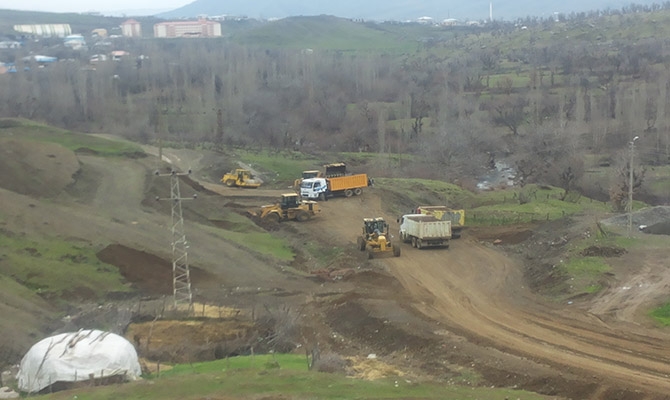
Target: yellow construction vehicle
x,y
331,170
306,175
289,207
376,238
444,213
240,178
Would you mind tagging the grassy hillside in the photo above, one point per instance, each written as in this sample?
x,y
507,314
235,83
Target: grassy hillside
x,y
287,377
329,33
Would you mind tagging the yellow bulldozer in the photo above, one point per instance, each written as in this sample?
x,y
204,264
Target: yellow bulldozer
x,y
240,178
290,207
376,238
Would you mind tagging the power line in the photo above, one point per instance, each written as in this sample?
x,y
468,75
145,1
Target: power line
x,y
181,276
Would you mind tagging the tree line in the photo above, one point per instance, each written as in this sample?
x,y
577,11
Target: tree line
x,y
457,105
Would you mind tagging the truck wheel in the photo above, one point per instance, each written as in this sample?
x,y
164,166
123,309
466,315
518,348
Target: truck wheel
x,y
396,251
419,244
322,197
361,244
358,191
230,182
413,242
348,193
302,216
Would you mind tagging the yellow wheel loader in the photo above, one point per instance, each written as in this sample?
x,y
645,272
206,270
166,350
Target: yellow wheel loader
x,y
240,178
290,207
376,238
443,213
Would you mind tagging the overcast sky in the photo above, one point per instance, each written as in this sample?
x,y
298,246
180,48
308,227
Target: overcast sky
x,y
91,5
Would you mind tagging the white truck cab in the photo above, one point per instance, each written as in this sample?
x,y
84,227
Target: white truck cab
x,y
314,188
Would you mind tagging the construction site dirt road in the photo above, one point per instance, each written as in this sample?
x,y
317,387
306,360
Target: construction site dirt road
x,y
429,311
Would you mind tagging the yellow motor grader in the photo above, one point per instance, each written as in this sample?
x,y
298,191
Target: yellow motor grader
x,y
376,238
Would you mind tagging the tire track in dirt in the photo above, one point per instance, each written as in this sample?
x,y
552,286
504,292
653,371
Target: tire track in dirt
x,y
479,290
477,302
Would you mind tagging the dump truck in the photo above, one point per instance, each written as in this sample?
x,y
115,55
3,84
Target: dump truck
x,y
323,188
376,238
329,171
457,217
290,207
424,231
240,178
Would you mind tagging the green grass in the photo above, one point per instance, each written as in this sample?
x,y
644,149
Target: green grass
x,y
324,254
661,314
241,230
282,167
586,267
57,269
27,130
657,181
258,376
416,188
503,207
327,33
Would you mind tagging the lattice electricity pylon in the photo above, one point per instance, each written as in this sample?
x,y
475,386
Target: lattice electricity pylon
x,y
181,276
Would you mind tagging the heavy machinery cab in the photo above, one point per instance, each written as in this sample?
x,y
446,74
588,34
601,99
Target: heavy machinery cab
x,y
376,239
289,207
375,225
310,174
289,200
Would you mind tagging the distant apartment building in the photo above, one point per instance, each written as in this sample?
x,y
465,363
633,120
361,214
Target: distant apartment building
x,y
45,30
200,28
131,28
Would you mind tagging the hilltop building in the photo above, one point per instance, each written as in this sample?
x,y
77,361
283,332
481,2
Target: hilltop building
x,y
45,30
200,28
131,28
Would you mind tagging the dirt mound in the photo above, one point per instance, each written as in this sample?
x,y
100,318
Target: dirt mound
x,y
149,273
603,251
501,235
36,169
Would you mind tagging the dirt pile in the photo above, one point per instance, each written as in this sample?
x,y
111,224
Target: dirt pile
x,y
36,169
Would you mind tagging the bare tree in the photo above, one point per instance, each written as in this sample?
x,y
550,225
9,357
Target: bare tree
x,y
510,113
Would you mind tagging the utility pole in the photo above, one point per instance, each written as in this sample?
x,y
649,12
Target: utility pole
x,y
181,277
630,187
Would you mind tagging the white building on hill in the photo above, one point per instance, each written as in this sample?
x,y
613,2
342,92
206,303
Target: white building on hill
x,y
200,28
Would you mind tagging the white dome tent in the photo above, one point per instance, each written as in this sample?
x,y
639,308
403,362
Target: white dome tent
x,y
76,357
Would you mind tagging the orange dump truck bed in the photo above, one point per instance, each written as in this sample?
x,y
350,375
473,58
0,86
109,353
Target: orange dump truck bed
x,y
340,183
